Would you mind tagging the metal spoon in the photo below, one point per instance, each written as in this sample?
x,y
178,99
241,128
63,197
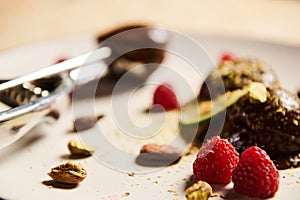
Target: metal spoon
x,y
24,115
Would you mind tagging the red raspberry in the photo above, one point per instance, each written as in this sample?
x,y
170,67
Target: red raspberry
x,y
227,57
215,161
60,59
164,95
256,174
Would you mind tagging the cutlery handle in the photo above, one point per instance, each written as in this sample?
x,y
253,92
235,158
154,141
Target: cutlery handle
x,y
76,62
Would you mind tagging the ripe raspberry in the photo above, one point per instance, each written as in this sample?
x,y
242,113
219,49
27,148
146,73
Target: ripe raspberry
x,y
165,96
61,59
215,161
256,174
227,56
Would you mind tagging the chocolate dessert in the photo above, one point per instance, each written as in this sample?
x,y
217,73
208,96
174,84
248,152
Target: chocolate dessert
x,y
269,119
272,124
136,43
235,74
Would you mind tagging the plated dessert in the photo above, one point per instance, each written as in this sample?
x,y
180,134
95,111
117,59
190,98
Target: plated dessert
x,y
261,123
267,116
235,163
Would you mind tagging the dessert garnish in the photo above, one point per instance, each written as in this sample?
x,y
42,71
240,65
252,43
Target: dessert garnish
x,y
85,123
199,191
78,149
215,161
164,96
236,74
227,57
158,155
68,173
256,174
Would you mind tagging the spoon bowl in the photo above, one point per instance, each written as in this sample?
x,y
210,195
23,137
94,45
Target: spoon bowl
x,y
19,119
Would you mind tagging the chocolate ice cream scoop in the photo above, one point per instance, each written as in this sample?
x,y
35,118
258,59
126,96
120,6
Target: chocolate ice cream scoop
x,y
133,44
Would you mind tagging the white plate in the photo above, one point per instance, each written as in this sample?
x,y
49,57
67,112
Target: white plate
x,y
24,165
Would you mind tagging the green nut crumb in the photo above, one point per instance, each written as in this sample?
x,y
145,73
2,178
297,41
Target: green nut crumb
x,y
78,149
199,191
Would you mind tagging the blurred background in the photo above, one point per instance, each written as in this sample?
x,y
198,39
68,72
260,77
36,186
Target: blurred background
x,y
25,22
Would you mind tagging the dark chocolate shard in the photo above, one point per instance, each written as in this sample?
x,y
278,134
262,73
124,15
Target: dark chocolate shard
x,y
154,155
85,123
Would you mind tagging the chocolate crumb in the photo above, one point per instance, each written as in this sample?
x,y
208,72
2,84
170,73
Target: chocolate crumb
x,y
131,174
154,155
126,194
85,123
16,128
54,114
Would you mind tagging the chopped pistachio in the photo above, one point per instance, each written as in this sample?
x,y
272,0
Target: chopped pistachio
x,y
79,149
295,122
68,173
258,91
199,191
